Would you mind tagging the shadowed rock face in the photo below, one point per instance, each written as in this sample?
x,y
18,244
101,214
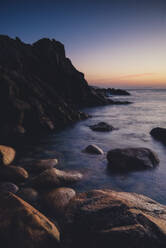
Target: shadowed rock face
x,y
21,225
159,134
132,159
40,89
105,218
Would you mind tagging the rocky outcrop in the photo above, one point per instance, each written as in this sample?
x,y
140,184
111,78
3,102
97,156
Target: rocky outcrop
x,y
105,218
159,134
111,91
102,127
132,159
21,225
40,89
93,149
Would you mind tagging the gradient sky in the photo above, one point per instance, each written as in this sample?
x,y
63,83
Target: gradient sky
x,y
119,43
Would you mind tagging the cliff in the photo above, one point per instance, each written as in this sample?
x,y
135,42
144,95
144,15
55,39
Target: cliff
x,y
40,89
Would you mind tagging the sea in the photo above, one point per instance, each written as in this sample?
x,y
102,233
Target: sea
x,y
133,124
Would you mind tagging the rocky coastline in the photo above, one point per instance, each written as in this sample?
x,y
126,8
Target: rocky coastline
x,y
41,91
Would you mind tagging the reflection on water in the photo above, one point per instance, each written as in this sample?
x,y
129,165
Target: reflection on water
x,y
133,123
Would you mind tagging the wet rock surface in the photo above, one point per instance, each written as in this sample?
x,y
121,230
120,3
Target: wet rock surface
x,y
159,134
102,127
105,218
93,149
55,178
132,159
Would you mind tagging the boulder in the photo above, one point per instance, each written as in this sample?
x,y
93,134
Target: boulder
x,y
22,225
102,127
40,165
132,159
7,155
7,186
55,178
29,195
57,199
105,218
14,174
159,134
93,149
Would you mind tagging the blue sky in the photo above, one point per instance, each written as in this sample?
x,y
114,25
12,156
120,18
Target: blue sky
x,y
113,42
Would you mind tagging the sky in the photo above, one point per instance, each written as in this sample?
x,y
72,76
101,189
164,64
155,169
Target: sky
x,y
118,43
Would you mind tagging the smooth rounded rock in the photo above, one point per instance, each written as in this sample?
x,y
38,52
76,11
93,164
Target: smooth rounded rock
x,y
159,134
7,186
57,199
13,173
105,218
93,149
22,225
7,155
102,127
132,159
55,178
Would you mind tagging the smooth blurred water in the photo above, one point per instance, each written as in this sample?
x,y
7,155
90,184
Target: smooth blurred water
x,y
133,123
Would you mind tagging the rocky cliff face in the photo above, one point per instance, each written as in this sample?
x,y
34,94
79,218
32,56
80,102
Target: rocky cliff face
x,y
40,89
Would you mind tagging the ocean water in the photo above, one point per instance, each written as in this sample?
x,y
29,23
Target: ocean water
x,y
133,123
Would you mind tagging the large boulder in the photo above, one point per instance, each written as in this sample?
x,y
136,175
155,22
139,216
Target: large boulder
x,y
132,159
105,218
7,155
93,149
21,225
13,174
55,178
102,127
159,134
57,199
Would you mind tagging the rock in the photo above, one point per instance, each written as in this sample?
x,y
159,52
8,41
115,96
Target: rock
x,y
57,199
132,159
159,134
7,155
105,218
55,178
7,186
111,91
102,127
35,102
93,149
22,225
14,174
29,195
40,165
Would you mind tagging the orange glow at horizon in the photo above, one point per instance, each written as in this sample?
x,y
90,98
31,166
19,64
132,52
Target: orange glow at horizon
x,y
137,61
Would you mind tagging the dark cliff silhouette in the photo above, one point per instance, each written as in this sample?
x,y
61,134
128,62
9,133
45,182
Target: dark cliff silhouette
x,y
40,89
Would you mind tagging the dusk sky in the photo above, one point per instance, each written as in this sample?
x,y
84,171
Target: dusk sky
x,y
119,43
